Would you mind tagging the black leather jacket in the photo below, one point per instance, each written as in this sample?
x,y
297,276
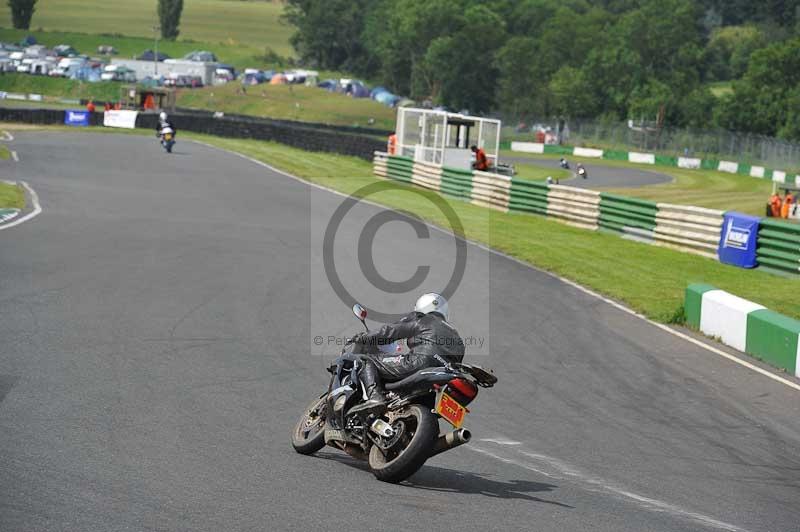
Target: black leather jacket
x,y
425,334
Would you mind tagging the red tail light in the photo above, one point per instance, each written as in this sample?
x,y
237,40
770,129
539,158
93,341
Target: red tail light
x,y
463,388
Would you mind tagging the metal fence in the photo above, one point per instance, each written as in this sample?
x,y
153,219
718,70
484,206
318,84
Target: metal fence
x,y
709,144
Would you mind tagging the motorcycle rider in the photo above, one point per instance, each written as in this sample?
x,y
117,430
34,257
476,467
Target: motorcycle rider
x,y
164,122
427,333
564,164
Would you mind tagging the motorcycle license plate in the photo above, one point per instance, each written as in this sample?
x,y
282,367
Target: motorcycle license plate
x,y
168,137
451,410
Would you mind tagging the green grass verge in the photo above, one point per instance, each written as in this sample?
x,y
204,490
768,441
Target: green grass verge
x,y
5,153
701,188
291,102
649,279
11,196
250,26
540,173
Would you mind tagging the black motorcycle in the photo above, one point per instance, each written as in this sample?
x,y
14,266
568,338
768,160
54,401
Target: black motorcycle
x,y
397,441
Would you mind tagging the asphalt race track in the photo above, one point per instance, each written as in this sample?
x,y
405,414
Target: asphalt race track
x,y
599,175
155,325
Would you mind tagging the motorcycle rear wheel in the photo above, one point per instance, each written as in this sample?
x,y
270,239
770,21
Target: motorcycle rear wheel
x,y
308,435
393,466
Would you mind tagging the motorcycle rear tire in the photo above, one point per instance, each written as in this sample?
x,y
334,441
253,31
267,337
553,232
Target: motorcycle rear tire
x,y
304,444
413,457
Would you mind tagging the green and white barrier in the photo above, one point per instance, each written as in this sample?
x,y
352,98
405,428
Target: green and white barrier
x,y
642,158
528,147
8,214
779,246
745,326
691,163
587,152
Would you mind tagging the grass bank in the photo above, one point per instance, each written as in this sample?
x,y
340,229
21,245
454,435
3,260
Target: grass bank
x,y
291,102
5,153
701,188
250,26
649,279
66,88
11,196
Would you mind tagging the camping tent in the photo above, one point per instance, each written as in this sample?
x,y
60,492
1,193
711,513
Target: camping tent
x,y
278,79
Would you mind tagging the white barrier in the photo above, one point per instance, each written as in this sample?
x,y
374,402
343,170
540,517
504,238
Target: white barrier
x,y
576,206
427,175
587,152
689,162
724,316
757,171
692,229
645,158
122,119
528,147
491,190
728,166
779,176
379,164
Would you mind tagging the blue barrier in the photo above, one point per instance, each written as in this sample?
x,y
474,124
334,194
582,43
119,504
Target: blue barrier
x,y
737,243
76,118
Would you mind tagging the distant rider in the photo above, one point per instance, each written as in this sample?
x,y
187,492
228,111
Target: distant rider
x,y
564,164
164,122
427,333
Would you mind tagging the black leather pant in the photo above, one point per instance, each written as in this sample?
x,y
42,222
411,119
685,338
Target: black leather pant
x,y
378,368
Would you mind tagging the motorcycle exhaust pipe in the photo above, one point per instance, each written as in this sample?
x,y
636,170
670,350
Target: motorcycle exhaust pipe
x,y
451,440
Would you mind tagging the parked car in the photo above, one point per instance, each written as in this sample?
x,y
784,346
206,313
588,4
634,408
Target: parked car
x,y
65,50
118,73
106,49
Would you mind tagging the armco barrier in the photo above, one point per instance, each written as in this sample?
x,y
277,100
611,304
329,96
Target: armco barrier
x,y
779,246
745,325
692,229
296,134
491,190
427,175
456,183
528,196
631,217
660,160
576,206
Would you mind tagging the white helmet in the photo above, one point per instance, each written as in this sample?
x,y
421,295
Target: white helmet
x,y
162,116
428,303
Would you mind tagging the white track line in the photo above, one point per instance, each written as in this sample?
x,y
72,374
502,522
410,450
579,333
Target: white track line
x,y
583,289
556,469
15,156
8,137
37,208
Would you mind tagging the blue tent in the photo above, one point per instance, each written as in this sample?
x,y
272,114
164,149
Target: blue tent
x,y
387,98
377,90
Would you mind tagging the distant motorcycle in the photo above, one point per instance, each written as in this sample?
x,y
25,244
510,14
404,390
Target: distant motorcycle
x,y
564,164
167,136
397,442
582,172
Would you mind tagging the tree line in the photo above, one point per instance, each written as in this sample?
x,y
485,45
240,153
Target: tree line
x,y
602,59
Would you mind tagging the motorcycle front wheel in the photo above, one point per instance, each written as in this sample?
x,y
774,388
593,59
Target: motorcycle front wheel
x,y
308,435
418,432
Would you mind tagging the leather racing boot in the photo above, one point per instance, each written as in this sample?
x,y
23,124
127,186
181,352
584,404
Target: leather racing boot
x,y
376,396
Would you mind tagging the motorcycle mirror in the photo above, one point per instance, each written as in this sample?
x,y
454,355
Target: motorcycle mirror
x,y
361,314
